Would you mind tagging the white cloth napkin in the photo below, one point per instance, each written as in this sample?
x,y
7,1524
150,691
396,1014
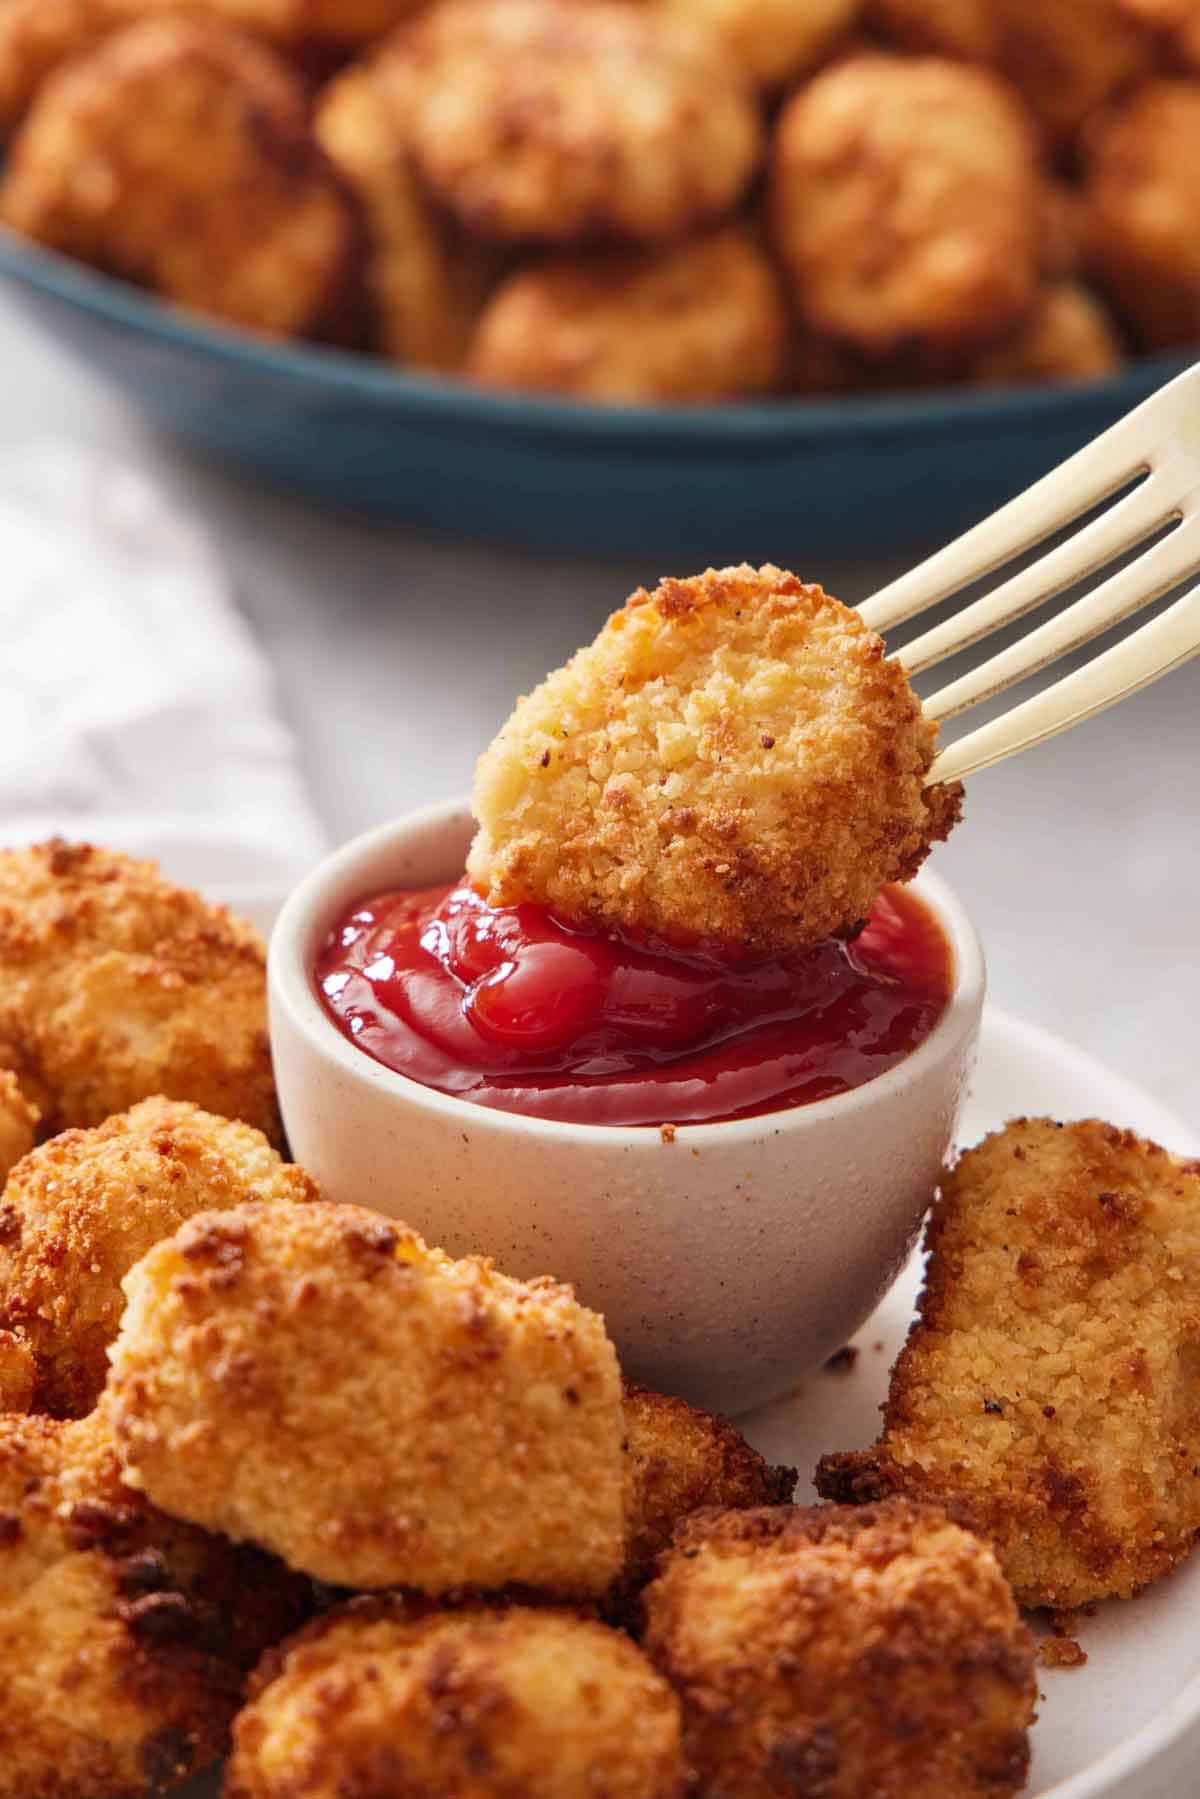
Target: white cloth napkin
x,y
135,708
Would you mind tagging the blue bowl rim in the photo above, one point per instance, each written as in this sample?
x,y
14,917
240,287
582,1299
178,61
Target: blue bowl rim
x,y
741,426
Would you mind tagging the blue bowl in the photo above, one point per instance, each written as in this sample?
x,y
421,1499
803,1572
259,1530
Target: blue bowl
x,y
702,483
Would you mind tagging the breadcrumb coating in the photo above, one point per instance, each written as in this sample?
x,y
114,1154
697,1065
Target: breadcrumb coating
x,y
177,154
123,1635
733,759
115,985
679,1460
18,1123
1048,1388
702,322
854,1655
425,284
18,1372
316,1380
1069,336
81,1210
904,203
382,1701
570,123
1142,187
775,40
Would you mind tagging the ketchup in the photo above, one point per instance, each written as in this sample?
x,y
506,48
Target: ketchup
x,y
512,1008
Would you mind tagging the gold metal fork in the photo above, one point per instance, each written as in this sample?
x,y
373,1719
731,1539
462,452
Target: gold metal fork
x,y
1160,442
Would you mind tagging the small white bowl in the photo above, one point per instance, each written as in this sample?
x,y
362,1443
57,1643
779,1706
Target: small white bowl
x,y
728,1262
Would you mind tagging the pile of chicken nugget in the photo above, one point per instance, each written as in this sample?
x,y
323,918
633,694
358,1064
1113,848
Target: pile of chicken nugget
x,y
631,201
282,1483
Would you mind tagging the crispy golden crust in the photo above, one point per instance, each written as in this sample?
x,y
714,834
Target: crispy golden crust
x,y
383,1703
177,154
733,759
1047,1389
81,1210
315,1379
775,41
18,1372
1142,183
425,284
702,322
1069,336
680,1460
115,985
854,1655
535,120
18,1123
904,203
123,1635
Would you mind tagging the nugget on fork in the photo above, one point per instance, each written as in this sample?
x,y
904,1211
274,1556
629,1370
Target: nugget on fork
x,y
733,760
1048,1389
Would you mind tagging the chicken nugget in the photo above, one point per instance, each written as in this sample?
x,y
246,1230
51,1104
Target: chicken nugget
x,y
18,1372
315,1379
177,154
776,41
1046,1389
115,985
904,204
425,283
296,24
1142,188
534,120
37,35
81,1210
679,1460
123,1635
858,1655
705,321
1069,336
964,28
1070,57
18,1123
386,1701
733,760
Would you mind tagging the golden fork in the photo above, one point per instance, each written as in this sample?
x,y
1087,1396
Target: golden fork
x,y
1159,441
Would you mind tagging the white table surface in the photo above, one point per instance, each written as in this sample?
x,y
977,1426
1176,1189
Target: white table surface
x,y
398,654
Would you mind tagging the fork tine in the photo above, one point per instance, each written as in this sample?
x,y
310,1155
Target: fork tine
x,y
1142,581
1094,473
1157,648
1138,516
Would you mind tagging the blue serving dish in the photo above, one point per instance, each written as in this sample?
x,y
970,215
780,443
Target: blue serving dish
x,y
865,474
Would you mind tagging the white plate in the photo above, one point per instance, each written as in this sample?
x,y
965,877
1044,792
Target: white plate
x,y
1127,1725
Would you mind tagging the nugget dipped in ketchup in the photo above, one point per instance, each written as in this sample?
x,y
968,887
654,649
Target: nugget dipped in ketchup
x,y
733,760
679,904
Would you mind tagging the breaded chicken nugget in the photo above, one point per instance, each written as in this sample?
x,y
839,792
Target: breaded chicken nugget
x,y
1047,1386
1069,336
564,123
855,1655
774,40
315,1379
904,203
18,1123
385,1702
298,23
702,322
1069,57
177,154
123,1635
680,1460
37,35
733,759
81,1210
1142,184
425,284
18,1372
115,985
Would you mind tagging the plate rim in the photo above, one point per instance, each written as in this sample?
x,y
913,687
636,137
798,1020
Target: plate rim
x,y
695,430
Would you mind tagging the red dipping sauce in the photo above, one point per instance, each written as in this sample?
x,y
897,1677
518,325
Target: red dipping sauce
x,y
512,1009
